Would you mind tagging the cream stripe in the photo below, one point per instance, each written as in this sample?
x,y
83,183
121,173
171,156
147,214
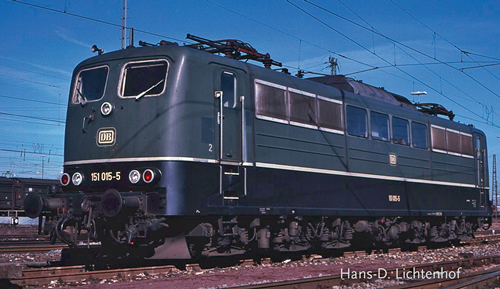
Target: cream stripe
x,y
361,175
274,166
146,159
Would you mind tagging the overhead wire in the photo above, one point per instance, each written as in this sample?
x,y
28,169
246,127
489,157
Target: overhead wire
x,y
32,81
442,78
33,117
373,67
392,40
168,37
180,40
419,62
289,34
442,37
31,71
480,66
483,121
333,52
466,53
475,99
65,12
23,86
281,31
29,152
24,146
32,100
378,56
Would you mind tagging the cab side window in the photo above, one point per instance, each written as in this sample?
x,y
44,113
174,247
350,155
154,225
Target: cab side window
x,y
380,126
419,135
228,87
400,132
356,121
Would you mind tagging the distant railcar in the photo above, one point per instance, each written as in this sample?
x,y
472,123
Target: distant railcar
x,y
14,190
175,152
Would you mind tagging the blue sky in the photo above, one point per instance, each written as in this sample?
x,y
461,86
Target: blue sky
x,y
423,46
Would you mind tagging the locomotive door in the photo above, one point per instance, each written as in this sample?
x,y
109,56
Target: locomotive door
x,y
231,126
481,173
229,118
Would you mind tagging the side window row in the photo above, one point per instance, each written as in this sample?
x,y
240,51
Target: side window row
x,y
288,105
357,125
451,142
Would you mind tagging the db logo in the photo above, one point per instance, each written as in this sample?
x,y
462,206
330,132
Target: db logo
x,y
106,136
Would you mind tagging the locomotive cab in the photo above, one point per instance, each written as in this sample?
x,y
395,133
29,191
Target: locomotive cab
x,y
140,121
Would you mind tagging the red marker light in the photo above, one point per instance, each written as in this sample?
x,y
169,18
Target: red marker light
x,y
65,179
148,176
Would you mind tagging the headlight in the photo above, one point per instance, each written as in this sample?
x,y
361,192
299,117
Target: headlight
x,y
134,177
77,179
106,108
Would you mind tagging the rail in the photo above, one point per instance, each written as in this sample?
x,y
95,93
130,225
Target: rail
x,y
67,274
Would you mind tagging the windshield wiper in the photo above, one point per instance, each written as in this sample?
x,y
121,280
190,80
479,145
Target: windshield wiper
x,y
147,90
83,100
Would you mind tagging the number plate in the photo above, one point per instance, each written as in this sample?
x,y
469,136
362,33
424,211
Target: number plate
x,y
105,176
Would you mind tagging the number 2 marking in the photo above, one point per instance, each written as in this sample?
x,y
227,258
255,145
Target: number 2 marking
x,y
210,147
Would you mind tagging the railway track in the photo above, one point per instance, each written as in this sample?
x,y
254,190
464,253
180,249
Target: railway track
x,y
30,248
25,236
483,279
68,274
452,269
486,232
45,246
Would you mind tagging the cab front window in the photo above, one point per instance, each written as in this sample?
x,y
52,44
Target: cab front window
x,y
90,84
145,78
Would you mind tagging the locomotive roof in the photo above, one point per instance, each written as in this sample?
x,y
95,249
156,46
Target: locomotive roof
x,y
128,53
358,87
339,82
